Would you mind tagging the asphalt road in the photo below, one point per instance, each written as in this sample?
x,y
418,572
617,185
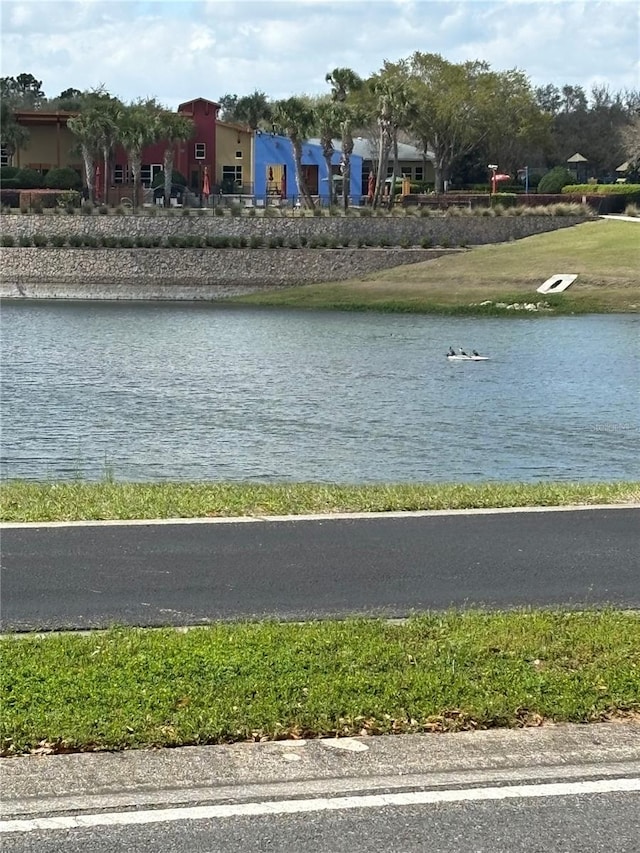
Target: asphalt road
x,y
187,573
554,788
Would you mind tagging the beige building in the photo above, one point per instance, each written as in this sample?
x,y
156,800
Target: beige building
x,y
234,158
51,144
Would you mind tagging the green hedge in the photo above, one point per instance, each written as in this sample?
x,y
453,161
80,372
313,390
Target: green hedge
x,y
591,189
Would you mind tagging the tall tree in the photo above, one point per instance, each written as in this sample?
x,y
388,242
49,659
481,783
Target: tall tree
x,y
344,83
452,116
296,120
328,124
137,128
172,128
84,127
23,92
14,136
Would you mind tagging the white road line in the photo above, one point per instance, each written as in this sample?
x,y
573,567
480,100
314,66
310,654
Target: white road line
x,y
367,801
244,519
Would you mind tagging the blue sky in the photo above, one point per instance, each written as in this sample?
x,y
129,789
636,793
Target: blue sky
x,y
175,51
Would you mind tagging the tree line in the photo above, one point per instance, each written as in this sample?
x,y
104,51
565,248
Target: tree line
x,y
462,116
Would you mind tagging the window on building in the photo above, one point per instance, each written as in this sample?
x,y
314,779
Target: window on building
x,y
389,171
232,175
121,174
238,155
148,173
5,158
201,150
419,173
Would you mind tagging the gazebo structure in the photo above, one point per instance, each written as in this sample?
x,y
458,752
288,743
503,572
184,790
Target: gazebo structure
x,y
621,172
578,165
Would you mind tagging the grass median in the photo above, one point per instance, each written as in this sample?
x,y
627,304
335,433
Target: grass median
x,y
604,254
22,501
132,688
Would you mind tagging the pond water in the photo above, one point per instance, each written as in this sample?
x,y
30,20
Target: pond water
x,y
165,391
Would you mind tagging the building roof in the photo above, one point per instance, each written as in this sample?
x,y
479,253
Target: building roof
x,y
577,158
366,149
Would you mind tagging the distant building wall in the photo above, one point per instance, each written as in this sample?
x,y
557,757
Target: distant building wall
x,y
234,156
274,161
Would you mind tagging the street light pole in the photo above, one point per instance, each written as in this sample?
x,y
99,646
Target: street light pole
x,y
494,169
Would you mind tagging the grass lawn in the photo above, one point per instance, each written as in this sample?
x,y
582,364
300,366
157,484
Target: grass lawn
x,y
605,254
235,682
74,501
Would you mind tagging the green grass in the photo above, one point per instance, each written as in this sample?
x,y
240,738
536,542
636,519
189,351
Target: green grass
x,y
236,682
71,501
605,254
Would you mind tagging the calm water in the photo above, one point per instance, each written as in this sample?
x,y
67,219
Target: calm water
x,y
212,392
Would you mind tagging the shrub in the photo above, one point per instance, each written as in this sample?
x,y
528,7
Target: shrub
x,y
242,242
89,241
37,207
70,198
126,242
119,210
251,211
186,211
103,210
555,180
366,212
29,179
303,240
426,242
317,211
64,178
75,240
9,198
109,242
87,208
10,184
218,211
24,209
6,240
58,240
40,240
24,240
256,241
7,172
235,209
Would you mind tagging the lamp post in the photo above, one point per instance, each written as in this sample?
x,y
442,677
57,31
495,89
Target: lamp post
x,y
494,169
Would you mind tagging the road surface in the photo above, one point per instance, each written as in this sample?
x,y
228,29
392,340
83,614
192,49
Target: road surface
x,y
94,575
555,788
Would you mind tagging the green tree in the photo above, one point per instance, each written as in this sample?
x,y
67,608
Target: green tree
x,y
84,128
554,180
138,127
344,84
453,99
23,92
328,124
516,126
296,120
14,136
172,128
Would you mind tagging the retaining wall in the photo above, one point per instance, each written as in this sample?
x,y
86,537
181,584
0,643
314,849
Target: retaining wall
x,y
209,273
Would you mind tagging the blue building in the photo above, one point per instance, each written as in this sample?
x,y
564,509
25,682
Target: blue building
x,y
275,172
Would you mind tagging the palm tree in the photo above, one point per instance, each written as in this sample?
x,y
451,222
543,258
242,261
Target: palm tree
x,y
295,117
252,109
345,82
14,136
84,126
138,127
328,121
172,128
107,113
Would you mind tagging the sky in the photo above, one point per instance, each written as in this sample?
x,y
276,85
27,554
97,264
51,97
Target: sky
x,y
177,50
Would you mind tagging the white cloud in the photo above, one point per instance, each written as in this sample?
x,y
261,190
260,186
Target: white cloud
x,y
179,50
